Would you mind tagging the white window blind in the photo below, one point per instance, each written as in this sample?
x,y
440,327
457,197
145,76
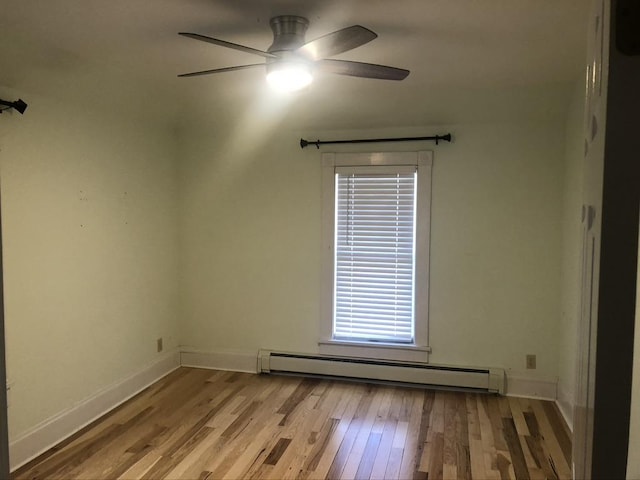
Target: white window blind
x,y
375,254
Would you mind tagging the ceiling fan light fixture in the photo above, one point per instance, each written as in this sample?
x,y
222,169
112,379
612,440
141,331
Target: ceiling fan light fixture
x,y
289,76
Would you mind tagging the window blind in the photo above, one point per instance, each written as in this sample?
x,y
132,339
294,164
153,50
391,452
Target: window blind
x,y
374,254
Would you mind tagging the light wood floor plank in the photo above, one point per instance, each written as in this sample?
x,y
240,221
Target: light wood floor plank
x,y
561,467
205,424
414,441
384,450
361,440
476,448
335,441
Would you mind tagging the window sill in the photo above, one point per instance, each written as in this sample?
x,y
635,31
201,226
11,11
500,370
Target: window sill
x,y
378,351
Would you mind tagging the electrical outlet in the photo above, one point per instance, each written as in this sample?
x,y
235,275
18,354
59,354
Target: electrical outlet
x,y
531,362
159,344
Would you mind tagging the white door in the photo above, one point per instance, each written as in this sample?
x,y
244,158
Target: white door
x,y
595,117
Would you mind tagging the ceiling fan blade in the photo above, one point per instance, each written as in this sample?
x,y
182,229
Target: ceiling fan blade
x,y
336,42
359,69
224,43
220,70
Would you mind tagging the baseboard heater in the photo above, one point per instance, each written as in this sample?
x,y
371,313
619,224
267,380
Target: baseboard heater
x,y
480,379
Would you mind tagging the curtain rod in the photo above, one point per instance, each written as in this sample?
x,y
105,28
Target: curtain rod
x,y
436,138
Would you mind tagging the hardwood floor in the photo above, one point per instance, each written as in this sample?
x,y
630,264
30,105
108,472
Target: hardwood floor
x,y
206,424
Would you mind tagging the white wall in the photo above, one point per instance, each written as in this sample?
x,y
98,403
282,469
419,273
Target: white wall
x,y
90,262
91,272
250,226
571,253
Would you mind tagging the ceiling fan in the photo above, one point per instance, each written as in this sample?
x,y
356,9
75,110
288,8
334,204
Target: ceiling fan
x,y
290,61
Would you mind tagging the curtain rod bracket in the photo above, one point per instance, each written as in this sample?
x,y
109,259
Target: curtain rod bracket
x,y
436,138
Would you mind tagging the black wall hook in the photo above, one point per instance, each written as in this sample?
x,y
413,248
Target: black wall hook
x,y
18,105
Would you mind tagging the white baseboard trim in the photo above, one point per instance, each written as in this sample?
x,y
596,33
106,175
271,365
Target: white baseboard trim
x,y
531,387
246,361
566,406
52,431
55,429
234,361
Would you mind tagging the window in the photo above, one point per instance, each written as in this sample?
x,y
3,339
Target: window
x,y
376,252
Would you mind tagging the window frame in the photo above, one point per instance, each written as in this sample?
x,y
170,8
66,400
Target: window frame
x,y
418,351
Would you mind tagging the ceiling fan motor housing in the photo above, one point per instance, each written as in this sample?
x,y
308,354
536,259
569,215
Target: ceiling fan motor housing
x,y
288,32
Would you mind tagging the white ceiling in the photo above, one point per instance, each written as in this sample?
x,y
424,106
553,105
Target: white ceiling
x,y
463,55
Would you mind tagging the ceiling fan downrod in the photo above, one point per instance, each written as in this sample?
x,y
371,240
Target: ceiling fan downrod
x,y
288,32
